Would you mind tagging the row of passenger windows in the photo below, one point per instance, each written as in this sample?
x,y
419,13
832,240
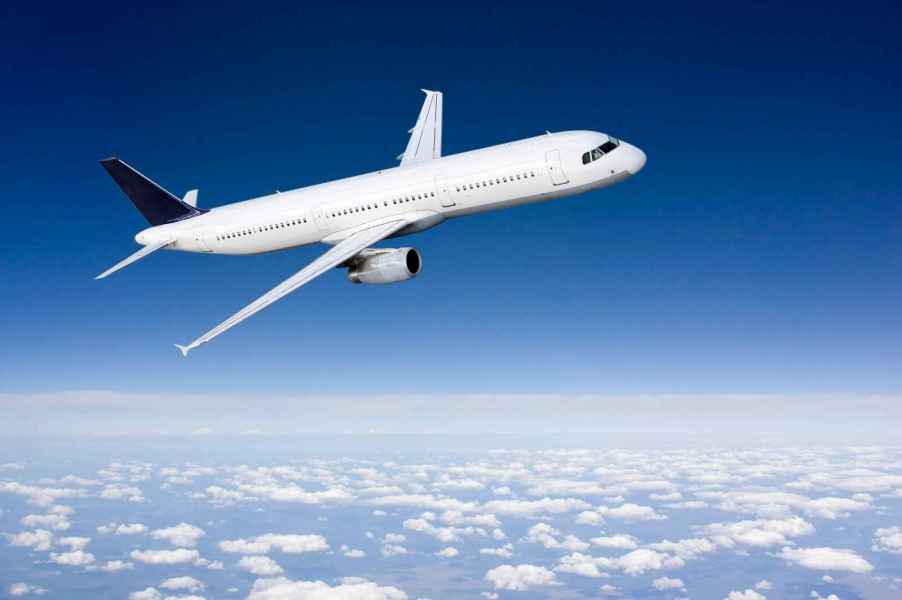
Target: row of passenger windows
x,y
496,181
373,206
597,153
252,230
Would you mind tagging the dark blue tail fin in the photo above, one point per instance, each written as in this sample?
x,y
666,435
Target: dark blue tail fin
x,y
156,204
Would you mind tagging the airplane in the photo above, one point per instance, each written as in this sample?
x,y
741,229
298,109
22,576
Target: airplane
x,y
352,214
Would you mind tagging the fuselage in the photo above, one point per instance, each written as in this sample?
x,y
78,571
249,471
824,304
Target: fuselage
x,y
532,170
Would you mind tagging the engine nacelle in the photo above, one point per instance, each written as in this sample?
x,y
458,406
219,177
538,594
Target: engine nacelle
x,y
386,267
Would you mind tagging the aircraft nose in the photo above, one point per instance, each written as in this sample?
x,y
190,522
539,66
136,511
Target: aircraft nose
x,y
635,160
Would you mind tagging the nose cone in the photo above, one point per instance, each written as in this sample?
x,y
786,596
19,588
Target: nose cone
x,y
141,238
635,160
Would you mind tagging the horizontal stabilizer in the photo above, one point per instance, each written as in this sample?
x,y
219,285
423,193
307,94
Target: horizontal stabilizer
x,y
134,257
156,204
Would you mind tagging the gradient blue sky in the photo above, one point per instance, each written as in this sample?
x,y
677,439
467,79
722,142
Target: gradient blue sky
x,y
759,251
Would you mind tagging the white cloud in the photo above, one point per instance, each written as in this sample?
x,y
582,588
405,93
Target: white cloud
x,y
621,541
183,583
354,553
448,552
146,594
506,551
51,521
288,543
632,563
76,558
262,566
183,534
393,550
639,561
285,589
123,529
667,583
114,566
424,501
23,589
39,539
547,536
764,584
165,557
74,543
746,595
520,577
528,508
758,533
687,549
120,491
42,496
629,512
827,559
888,539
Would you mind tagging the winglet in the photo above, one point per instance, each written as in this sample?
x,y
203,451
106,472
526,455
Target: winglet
x,y
184,349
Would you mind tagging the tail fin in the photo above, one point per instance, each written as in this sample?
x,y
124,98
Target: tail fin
x,y
156,204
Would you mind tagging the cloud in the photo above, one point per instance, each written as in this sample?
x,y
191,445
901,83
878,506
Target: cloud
x,y
23,589
667,583
506,551
746,595
547,536
74,543
262,566
758,533
774,504
146,594
687,549
165,557
119,491
76,558
393,550
114,566
632,563
888,539
520,578
57,522
448,552
123,529
288,543
183,534
764,584
286,589
183,583
40,539
425,501
639,561
42,496
529,508
621,541
827,559
630,513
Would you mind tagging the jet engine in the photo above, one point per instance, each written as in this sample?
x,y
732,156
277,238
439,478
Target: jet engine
x,y
385,266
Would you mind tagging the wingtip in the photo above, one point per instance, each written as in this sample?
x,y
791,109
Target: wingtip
x,y
183,349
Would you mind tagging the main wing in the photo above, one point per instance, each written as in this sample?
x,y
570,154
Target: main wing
x,y
426,136
338,254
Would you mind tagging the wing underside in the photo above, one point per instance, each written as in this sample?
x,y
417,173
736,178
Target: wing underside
x,y
335,256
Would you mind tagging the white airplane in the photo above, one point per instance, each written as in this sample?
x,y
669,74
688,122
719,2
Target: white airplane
x,y
352,214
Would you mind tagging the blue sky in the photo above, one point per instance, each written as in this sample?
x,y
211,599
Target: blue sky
x,y
759,250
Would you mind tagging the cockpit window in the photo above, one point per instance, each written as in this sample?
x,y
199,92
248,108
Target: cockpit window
x,y
596,153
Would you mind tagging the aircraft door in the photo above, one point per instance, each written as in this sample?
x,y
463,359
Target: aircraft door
x,y
443,190
555,170
318,217
200,239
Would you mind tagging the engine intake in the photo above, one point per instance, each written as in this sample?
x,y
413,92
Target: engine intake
x,y
386,267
